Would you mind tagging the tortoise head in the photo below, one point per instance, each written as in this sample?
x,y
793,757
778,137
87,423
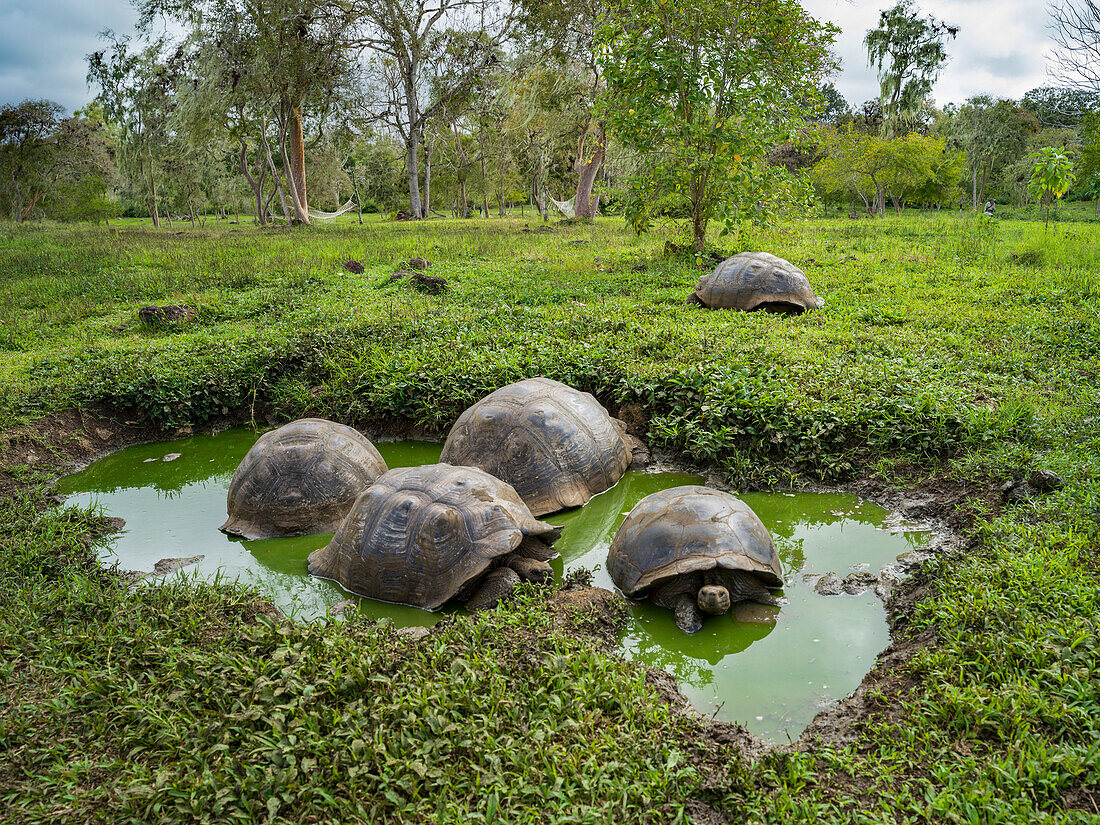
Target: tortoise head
x,y
713,599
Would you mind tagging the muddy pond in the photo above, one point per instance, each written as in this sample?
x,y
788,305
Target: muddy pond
x,y
771,673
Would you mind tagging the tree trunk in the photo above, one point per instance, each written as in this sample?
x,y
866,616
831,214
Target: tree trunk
x,y
698,234
256,184
286,133
484,178
30,206
587,171
464,208
428,176
297,171
698,191
412,152
278,181
985,182
153,186
355,190
974,188
154,213
500,189
880,198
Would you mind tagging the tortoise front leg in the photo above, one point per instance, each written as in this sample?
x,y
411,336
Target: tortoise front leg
x,y
688,616
497,585
532,570
745,587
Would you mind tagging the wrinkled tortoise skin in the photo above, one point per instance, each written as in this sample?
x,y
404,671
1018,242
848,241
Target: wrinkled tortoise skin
x,y
556,445
687,530
755,280
299,479
419,535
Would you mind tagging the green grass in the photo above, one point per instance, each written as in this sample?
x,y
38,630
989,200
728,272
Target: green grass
x,y
948,346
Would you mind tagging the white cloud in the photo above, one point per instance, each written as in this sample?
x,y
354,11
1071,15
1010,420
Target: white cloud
x,y
43,44
1000,50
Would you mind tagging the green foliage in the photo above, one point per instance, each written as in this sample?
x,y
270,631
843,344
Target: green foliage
x,y
958,350
913,168
209,707
1051,176
1088,179
994,134
704,109
909,53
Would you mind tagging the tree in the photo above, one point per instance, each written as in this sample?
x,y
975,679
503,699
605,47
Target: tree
x,y
1016,175
290,55
1061,106
703,90
406,38
136,95
548,107
1075,29
909,53
993,133
82,174
1088,178
832,106
27,152
54,166
1051,177
873,168
567,30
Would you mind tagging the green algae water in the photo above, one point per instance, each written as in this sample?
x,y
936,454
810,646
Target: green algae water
x,y
173,509
770,669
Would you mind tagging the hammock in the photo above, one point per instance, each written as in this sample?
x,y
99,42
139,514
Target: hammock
x,y
565,207
327,216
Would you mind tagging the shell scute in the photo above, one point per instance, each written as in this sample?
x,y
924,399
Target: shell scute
x,y
420,534
756,280
300,478
555,445
687,530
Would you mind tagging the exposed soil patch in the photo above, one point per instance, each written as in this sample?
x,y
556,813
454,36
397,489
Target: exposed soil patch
x,y
592,611
65,441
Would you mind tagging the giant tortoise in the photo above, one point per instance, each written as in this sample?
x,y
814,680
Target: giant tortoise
x,y
300,478
426,535
556,445
694,550
756,280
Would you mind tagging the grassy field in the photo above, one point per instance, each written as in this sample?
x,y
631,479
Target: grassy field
x,y
949,347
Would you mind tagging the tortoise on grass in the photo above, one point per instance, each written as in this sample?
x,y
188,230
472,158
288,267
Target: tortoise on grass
x,y
756,280
426,535
556,445
694,550
300,478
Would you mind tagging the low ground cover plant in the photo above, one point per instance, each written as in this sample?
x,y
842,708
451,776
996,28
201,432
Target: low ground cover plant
x,y
949,350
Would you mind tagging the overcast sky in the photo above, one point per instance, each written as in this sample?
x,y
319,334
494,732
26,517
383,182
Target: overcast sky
x,y
1000,49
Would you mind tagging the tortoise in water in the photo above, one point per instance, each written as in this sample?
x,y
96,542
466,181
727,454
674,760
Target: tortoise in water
x,y
300,478
426,535
756,280
694,550
556,445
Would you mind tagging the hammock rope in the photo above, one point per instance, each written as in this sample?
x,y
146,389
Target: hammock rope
x,y
565,207
327,216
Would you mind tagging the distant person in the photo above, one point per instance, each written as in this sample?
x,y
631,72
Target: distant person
x,y
989,208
